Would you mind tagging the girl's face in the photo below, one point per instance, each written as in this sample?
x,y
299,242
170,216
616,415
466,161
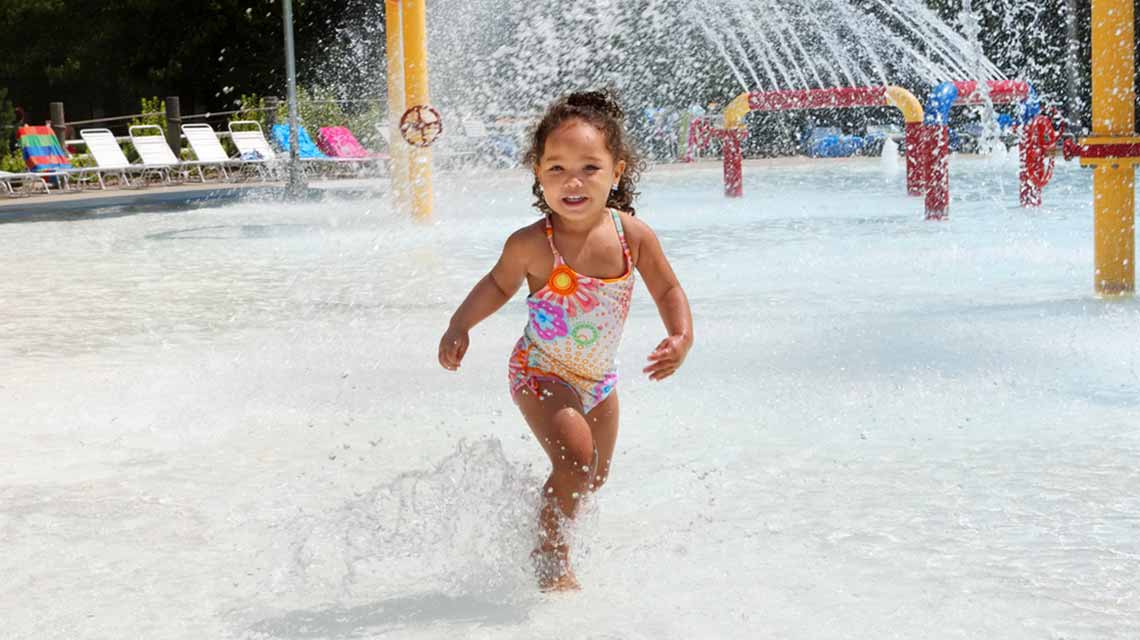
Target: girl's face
x,y
577,171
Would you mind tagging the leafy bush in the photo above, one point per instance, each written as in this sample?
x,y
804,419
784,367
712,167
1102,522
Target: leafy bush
x,y
156,107
12,160
316,107
251,107
154,110
369,126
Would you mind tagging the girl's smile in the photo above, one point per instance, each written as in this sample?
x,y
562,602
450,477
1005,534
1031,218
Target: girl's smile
x,y
575,201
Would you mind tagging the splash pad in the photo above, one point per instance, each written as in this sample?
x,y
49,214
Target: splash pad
x,y
241,404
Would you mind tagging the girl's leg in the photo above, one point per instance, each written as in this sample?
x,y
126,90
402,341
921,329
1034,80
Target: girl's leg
x,y
555,417
580,449
603,421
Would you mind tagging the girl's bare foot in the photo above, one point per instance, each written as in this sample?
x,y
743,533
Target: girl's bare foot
x,y
552,567
564,582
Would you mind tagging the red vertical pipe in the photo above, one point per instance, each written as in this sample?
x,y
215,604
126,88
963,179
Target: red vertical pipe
x,y
938,185
1029,193
916,159
733,173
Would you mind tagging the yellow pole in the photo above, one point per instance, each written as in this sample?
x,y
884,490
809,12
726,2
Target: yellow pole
x,y
416,93
397,148
1113,91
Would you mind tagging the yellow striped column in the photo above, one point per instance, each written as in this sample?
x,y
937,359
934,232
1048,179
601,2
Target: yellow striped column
x,y
398,150
414,17
1113,49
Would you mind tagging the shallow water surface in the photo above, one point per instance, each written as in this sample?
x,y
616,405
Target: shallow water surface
x,y
230,422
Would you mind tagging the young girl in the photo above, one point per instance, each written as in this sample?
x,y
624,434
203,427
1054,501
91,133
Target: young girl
x,y
578,263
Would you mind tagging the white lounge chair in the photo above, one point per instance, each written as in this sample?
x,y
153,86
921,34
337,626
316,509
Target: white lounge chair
x,y
25,179
209,151
150,143
252,145
108,155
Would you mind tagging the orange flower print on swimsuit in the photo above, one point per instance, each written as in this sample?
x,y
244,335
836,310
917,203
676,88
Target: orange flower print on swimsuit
x,y
571,291
563,280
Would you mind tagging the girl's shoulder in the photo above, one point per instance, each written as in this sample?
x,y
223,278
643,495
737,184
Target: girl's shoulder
x,y
528,242
532,235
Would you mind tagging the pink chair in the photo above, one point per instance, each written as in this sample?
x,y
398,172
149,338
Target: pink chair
x,y
338,142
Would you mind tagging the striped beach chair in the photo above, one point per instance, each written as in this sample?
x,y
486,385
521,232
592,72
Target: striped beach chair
x,y
44,155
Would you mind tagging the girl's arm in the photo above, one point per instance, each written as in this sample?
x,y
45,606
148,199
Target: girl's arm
x,y
488,295
671,301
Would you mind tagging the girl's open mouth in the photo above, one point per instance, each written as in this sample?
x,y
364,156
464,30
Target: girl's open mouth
x,y
574,201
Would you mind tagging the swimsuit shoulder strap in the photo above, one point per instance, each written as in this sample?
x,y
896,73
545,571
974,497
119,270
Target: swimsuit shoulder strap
x,y
621,234
550,240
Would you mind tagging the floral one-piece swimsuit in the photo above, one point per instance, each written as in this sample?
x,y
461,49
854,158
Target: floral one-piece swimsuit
x,y
574,329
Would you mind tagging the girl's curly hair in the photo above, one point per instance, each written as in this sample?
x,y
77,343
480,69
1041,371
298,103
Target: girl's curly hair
x,y
601,110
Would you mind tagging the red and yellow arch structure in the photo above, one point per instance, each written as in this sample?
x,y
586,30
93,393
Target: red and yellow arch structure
x,y
834,98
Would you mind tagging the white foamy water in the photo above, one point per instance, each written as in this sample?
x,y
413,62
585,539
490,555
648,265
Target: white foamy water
x,y
230,422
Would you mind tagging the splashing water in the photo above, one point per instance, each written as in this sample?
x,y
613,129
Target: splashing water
x,y
990,142
889,158
513,55
463,528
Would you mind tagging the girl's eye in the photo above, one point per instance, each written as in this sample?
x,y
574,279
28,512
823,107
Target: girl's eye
x,y
591,168
556,167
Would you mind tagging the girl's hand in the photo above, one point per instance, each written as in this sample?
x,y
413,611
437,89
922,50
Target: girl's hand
x,y
667,357
452,348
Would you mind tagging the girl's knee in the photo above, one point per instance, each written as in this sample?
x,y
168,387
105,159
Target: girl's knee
x,y
575,457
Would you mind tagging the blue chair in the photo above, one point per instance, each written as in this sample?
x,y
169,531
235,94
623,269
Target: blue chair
x,y
306,148
835,146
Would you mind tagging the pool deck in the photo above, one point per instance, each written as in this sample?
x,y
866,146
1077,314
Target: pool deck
x,y
73,202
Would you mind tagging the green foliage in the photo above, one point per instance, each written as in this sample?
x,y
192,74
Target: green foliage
x,y
154,112
120,50
251,107
83,160
12,160
368,124
316,107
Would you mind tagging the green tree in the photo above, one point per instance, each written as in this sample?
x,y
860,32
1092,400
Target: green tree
x,y
102,59
10,158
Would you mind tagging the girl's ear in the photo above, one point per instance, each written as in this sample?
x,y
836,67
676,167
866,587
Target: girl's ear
x,y
619,169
